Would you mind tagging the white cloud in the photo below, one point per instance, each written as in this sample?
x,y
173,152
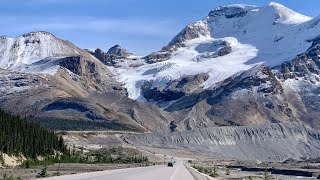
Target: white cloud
x,y
148,27
141,36
50,1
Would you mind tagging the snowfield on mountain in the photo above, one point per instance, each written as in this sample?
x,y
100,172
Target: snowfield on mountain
x,y
230,39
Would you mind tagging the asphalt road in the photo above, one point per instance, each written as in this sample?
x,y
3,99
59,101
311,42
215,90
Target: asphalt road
x,y
177,172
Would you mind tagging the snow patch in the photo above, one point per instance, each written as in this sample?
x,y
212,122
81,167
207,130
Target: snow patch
x,y
267,35
182,63
30,48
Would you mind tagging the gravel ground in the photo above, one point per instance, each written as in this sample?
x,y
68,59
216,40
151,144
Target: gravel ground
x,y
65,169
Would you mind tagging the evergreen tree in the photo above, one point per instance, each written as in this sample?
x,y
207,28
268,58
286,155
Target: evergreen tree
x,y
227,172
18,136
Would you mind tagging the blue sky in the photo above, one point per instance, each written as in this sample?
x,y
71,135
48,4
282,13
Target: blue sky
x,y
141,26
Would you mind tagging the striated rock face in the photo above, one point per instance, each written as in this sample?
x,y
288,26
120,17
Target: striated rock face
x,y
270,142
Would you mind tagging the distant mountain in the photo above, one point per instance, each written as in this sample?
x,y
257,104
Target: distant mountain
x,y
113,57
230,39
50,79
240,65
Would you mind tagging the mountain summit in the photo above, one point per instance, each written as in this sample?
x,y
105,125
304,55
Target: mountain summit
x,y
116,50
114,57
229,40
32,47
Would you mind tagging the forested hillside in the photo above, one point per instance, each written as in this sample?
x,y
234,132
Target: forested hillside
x,y
18,136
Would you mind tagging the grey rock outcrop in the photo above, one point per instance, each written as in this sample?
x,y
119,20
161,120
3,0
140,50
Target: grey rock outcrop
x,y
118,51
157,56
304,65
111,58
175,89
228,12
192,31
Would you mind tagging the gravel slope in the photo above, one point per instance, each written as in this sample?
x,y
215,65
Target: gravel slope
x,y
267,142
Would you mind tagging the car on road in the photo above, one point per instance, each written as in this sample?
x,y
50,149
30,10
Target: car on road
x,y
170,164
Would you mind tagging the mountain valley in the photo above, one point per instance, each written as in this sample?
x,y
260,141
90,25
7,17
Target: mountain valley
x,y
242,81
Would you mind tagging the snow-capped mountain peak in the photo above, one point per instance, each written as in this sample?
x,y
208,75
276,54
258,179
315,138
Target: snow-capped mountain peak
x,y
229,40
38,34
288,16
283,14
32,47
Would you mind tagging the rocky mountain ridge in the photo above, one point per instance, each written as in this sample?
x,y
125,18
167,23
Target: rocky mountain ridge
x,y
113,57
53,79
219,71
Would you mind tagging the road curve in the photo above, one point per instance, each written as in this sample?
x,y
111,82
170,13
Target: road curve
x,y
178,172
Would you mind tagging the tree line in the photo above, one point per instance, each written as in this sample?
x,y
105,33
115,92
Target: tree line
x,y
18,136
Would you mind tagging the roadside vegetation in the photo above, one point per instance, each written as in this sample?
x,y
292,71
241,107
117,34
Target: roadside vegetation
x,y
20,137
211,171
224,172
39,148
116,155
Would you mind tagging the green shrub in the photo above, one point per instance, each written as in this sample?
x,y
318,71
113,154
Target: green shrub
x,y
266,175
214,173
43,173
227,172
7,177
